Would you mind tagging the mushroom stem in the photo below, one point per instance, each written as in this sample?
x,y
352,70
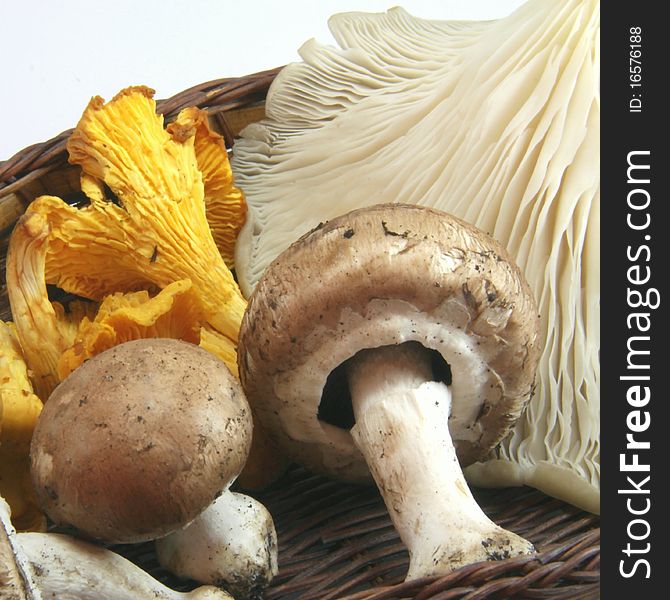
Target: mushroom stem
x,y
54,565
62,567
400,429
232,543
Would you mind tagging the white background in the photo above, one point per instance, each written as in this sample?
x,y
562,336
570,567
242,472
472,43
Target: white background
x,y
57,54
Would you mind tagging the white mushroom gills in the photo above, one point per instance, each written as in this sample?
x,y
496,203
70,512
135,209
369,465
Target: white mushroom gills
x,y
402,431
496,122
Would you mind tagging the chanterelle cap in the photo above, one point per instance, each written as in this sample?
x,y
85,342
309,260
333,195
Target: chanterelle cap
x,y
382,276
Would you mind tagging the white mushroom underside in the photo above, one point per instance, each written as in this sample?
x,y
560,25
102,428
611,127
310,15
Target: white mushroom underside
x,y
384,322
496,123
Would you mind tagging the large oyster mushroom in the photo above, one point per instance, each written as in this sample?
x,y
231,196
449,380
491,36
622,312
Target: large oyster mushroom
x,y
495,122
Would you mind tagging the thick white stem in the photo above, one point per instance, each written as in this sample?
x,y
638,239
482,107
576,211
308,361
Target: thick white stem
x,y
53,565
67,568
402,430
232,543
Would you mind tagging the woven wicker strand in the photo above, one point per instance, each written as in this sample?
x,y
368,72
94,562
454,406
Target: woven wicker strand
x,y
336,541
368,562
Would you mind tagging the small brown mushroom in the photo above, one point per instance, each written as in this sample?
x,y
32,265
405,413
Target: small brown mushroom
x,y
397,340
139,440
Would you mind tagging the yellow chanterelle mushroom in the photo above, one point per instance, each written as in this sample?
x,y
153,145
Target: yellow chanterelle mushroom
x,y
44,328
146,224
148,252
19,409
172,313
225,205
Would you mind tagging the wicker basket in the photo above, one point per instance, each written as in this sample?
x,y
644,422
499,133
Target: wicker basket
x,y
336,541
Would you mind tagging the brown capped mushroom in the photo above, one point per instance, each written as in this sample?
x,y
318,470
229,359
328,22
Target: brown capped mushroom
x,y
397,340
139,440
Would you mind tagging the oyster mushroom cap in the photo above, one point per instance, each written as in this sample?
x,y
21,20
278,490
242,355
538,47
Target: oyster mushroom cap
x,y
139,440
13,566
497,123
383,276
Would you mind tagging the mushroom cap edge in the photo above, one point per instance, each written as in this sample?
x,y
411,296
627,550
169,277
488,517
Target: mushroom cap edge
x,y
381,275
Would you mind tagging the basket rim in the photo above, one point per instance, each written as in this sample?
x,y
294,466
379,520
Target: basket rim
x,y
216,96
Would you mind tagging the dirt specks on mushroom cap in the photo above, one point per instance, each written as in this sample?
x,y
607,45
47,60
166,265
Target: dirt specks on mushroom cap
x,y
382,276
140,439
